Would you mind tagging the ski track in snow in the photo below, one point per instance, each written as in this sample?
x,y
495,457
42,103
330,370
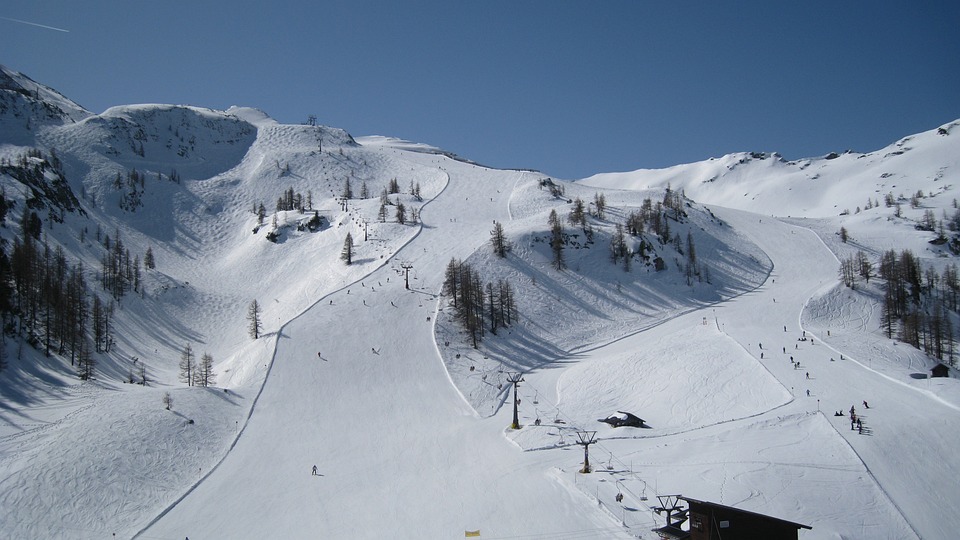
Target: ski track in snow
x,y
372,382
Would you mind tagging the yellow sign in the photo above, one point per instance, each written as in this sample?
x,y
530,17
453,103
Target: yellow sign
x,y
469,534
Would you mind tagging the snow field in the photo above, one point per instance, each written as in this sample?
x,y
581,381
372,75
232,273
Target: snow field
x,y
408,441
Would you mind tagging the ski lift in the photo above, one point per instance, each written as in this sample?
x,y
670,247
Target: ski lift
x,y
619,496
535,396
610,463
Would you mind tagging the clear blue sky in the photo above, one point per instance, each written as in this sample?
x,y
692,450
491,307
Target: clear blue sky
x,y
569,88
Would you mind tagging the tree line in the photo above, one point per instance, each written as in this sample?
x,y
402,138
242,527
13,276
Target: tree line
x,y
919,304
479,306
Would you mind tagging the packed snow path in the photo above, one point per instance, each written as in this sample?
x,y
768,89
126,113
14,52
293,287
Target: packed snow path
x,y
900,416
396,447
398,450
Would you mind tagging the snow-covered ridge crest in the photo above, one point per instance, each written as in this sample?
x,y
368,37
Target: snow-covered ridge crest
x,y
812,187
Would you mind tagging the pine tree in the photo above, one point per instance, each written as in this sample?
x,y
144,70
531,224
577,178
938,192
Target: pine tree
x,y
401,213
148,262
382,213
346,254
347,190
187,365
253,317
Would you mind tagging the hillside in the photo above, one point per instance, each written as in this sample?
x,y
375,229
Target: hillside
x,y
368,372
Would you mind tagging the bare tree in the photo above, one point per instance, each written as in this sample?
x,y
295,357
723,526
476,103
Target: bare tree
x,y
204,373
499,240
187,365
556,241
253,317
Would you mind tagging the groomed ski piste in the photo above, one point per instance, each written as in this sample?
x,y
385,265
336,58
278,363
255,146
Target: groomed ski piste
x,y
362,371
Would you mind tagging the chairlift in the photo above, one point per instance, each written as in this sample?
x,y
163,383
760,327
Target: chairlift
x,y
610,463
619,496
535,396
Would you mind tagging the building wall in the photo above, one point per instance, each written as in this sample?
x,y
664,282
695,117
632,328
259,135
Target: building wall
x,y
740,526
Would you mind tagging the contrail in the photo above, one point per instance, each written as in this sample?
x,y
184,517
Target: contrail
x,y
35,24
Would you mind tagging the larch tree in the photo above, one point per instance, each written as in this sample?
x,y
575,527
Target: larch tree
x,y
556,240
204,372
499,240
187,365
253,318
599,204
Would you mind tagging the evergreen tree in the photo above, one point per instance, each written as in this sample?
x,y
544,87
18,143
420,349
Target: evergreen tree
x,y
347,190
346,254
401,213
382,213
148,262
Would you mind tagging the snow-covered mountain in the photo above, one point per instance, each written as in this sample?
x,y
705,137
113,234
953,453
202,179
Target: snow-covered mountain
x,y
369,372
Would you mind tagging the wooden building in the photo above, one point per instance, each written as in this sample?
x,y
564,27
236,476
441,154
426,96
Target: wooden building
x,y
711,521
940,370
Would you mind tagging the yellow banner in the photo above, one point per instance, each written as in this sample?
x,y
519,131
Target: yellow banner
x,y
469,534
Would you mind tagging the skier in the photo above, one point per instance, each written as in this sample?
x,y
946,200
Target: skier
x,y
865,406
314,470
808,374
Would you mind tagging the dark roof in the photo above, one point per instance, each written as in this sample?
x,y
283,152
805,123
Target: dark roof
x,y
673,532
730,508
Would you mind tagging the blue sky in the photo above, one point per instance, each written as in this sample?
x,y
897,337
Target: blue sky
x,y
569,88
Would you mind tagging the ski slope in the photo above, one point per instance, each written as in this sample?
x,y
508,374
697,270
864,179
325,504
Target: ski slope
x,y
400,452
377,386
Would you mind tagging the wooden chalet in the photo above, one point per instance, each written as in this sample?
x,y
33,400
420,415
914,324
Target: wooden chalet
x,y
940,370
712,521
